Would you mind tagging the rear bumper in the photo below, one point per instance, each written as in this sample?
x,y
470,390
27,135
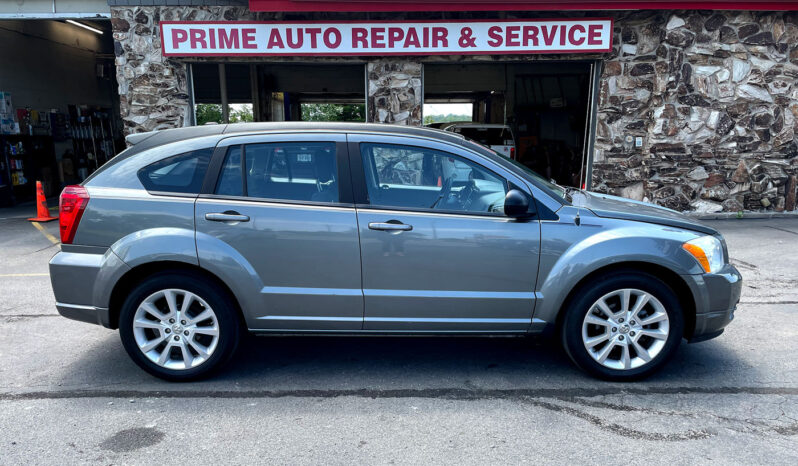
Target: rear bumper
x,y
720,293
82,283
90,314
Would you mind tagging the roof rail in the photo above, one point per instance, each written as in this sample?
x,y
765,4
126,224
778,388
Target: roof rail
x,y
133,139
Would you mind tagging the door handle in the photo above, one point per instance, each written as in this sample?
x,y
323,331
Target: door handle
x,y
229,216
390,226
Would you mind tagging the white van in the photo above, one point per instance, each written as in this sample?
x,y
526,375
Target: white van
x,y
497,137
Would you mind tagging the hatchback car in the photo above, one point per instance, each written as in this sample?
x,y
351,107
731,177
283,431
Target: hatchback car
x,y
192,236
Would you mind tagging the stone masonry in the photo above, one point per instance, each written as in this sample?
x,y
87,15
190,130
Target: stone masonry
x,y
713,96
153,89
394,92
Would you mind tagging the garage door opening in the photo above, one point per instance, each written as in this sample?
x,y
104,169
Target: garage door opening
x,y
440,114
545,106
278,92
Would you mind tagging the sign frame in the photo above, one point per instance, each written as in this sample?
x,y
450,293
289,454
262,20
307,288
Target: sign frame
x,y
386,52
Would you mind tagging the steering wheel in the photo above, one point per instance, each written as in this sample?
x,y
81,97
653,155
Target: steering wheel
x,y
446,189
467,193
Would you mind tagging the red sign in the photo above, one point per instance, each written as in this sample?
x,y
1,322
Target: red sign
x,y
474,37
519,5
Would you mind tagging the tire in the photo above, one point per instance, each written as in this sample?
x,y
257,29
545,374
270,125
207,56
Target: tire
x,y
174,346
608,333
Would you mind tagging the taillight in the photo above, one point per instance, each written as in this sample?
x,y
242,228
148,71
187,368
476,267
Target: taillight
x,y
512,153
71,205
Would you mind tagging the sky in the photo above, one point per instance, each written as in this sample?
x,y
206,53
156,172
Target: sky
x,y
445,109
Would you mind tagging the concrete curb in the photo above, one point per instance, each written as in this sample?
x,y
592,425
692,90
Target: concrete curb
x,y
741,216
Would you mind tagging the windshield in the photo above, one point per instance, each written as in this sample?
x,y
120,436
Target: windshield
x,y
537,179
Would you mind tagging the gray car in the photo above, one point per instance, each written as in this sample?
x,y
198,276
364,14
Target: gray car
x,y
192,236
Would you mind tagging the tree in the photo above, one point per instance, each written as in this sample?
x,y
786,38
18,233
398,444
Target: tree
x,y
207,113
243,114
445,118
333,112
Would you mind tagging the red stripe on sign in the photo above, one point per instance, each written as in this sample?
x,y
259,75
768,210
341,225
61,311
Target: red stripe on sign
x,y
387,37
518,5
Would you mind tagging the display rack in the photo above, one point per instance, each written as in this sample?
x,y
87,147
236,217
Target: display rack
x,y
24,159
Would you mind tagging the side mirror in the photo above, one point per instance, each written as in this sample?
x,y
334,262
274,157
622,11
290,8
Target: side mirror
x,y
516,204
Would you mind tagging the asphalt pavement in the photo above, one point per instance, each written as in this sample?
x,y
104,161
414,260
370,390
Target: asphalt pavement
x,y
69,394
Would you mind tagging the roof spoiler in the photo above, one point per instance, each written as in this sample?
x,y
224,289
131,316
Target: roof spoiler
x,y
133,139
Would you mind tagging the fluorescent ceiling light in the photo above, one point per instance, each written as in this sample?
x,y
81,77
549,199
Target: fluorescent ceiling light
x,y
84,26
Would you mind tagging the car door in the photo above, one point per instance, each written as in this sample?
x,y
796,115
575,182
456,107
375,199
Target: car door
x,y
279,217
437,252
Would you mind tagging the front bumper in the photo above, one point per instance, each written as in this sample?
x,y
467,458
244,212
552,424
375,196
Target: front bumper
x,y
719,293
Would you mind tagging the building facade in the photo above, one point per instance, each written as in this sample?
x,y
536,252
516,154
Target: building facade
x,y
695,110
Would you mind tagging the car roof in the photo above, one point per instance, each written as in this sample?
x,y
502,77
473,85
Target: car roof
x,y
477,125
142,141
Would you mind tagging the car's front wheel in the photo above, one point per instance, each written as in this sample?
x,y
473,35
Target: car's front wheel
x,y
624,326
178,326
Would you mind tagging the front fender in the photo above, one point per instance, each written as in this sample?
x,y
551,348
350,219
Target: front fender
x,y
571,252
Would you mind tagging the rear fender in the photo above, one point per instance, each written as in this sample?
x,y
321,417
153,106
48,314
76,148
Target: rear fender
x,y
224,261
139,248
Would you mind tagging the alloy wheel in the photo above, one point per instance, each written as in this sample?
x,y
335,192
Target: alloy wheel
x,y
625,329
176,329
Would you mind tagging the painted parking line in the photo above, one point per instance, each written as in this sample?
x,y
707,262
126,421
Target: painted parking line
x,y
10,275
46,234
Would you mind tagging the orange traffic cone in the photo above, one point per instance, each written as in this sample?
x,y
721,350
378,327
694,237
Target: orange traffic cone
x,y
42,212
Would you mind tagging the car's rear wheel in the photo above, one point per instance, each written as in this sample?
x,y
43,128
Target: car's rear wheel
x,y
179,326
623,327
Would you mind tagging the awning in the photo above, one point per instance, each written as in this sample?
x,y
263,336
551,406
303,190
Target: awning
x,y
517,5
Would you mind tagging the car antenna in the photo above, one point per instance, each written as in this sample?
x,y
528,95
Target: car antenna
x,y
577,220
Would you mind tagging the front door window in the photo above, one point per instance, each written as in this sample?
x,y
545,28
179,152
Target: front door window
x,y
409,177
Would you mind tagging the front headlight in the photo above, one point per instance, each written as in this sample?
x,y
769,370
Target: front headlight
x,y
708,251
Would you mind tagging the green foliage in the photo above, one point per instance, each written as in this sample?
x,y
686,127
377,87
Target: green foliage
x,y
213,113
242,115
333,112
445,118
208,113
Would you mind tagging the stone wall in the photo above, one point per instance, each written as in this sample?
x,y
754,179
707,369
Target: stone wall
x,y
153,89
394,92
714,95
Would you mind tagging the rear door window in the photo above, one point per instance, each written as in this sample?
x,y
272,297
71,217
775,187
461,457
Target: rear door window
x,y
182,173
292,171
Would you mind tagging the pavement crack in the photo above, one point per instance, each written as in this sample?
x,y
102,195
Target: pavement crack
x,y
622,430
744,264
782,229
442,393
18,317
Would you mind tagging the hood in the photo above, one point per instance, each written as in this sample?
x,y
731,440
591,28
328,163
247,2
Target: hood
x,y
604,205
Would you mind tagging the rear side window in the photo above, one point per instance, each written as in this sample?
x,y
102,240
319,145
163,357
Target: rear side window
x,y
291,171
182,173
